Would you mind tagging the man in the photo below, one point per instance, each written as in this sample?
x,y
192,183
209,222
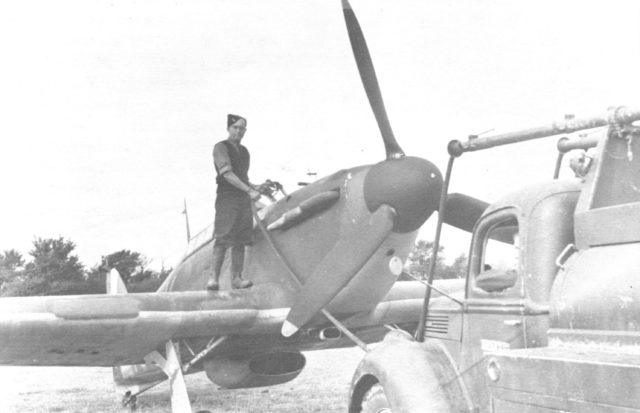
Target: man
x,y
233,225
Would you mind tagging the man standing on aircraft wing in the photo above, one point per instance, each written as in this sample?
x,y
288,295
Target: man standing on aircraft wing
x,y
233,225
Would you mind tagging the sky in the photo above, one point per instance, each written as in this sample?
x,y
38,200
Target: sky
x,y
109,109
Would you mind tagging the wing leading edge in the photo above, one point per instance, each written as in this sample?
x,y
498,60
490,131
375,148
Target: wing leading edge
x,y
112,330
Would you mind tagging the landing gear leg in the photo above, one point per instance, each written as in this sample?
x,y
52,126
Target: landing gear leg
x,y
173,369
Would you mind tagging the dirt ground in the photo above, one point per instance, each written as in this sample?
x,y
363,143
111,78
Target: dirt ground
x,y
321,387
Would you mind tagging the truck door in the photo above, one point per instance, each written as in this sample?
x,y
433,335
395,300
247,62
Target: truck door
x,y
494,305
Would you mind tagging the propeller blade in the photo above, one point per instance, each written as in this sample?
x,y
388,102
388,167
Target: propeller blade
x,y
339,266
463,211
370,81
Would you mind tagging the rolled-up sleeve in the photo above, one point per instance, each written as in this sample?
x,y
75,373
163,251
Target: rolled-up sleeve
x,y
221,158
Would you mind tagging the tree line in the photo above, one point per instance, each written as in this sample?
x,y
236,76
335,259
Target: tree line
x,y
53,269
417,265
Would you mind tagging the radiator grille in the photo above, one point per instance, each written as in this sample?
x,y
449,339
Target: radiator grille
x,y
437,324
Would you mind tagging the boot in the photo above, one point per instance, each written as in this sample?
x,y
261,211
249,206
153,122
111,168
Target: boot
x,y
213,284
239,283
237,264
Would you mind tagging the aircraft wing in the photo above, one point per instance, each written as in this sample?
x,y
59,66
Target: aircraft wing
x,y
121,329
108,330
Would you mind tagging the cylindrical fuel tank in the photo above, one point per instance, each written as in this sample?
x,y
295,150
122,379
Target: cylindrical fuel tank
x,y
599,289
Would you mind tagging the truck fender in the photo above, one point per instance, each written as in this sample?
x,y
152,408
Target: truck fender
x,y
416,377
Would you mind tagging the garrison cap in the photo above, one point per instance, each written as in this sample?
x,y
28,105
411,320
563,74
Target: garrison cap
x,y
231,119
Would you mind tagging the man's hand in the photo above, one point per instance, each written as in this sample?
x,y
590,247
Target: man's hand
x,y
269,187
253,194
263,188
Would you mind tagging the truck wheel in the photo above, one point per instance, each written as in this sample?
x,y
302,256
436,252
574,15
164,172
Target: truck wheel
x,y
375,401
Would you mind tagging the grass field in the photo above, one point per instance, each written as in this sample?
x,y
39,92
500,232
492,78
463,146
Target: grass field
x,y
321,387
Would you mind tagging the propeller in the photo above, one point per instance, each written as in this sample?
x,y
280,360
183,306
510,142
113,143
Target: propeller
x,y
400,193
463,211
370,81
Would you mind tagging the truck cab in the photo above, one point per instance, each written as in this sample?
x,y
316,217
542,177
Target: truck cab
x,y
511,268
549,317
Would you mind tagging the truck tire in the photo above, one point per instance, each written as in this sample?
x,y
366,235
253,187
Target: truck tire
x,y
375,401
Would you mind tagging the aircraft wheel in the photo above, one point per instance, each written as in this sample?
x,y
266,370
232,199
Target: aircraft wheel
x,y
130,401
375,401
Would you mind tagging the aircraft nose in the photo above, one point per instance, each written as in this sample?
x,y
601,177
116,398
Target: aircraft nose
x,y
410,185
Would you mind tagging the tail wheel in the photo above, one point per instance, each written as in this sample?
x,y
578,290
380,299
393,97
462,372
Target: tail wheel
x,y
375,401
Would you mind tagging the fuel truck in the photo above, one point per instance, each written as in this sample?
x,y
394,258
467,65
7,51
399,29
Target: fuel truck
x,y
548,317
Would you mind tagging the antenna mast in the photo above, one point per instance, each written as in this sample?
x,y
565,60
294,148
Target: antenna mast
x,y
186,218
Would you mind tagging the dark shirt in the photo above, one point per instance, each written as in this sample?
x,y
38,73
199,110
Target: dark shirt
x,y
229,158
